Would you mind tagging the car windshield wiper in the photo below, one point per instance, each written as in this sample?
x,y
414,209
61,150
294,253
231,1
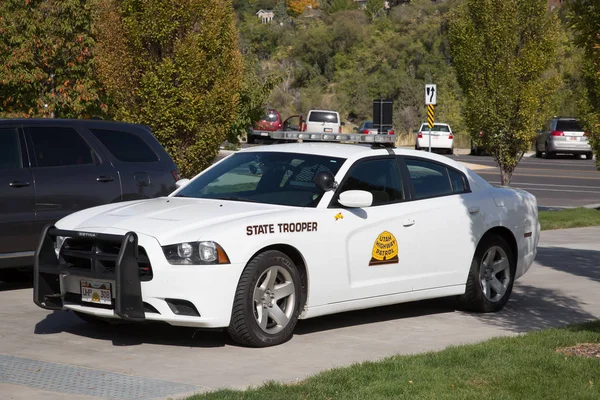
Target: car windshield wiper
x,y
233,198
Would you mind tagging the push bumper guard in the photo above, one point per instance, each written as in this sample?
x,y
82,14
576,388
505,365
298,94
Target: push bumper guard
x,y
48,268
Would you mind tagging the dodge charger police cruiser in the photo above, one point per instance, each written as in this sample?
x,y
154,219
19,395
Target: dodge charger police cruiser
x,y
273,234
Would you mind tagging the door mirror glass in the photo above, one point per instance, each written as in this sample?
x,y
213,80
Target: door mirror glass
x,y
356,198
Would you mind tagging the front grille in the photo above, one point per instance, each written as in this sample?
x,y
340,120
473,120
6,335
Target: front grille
x,y
100,257
75,298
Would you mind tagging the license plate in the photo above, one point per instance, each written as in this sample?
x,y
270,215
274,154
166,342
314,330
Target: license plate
x,y
573,138
436,138
94,292
264,134
327,130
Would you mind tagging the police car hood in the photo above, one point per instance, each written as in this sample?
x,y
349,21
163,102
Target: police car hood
x,y
165,218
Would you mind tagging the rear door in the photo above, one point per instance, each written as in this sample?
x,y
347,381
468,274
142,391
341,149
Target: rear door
x,y
323,122
571,131
144,172
69,174
18,231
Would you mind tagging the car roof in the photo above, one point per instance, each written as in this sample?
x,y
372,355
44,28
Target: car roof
x,y
329,111
66,121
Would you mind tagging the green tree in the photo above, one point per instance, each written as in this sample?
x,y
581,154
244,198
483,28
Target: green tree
x,y
501,51
46,54
374,9
584,18
175,66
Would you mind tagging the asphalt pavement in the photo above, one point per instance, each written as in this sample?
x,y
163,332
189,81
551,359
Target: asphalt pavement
x,y
55,355
560,182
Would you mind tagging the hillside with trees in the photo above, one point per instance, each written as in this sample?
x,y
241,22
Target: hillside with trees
x,y
341,56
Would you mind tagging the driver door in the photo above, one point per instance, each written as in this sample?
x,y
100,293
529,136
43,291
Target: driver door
x,y
380,255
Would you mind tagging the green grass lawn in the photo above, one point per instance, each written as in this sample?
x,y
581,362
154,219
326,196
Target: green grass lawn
x,y
523,367
569,218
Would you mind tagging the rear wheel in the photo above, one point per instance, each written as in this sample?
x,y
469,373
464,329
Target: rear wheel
x,y
549,154
267,301
450,151
491,276
250,139
538,153
589,156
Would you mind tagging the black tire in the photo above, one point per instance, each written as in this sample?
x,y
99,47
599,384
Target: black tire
x,y
538,154
450,151
250,139
417,146
474,298
589,156
244,328
549,154
16,275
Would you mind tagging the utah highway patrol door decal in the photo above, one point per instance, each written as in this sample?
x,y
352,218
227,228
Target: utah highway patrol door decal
x,y
385,250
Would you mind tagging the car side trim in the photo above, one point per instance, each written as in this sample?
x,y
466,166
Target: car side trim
x,y
19,254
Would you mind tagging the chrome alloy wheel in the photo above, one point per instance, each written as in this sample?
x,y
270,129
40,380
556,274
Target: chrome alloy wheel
x,y
494,274
274,299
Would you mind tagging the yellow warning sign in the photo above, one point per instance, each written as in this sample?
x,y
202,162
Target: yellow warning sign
x,y
385,250
430,115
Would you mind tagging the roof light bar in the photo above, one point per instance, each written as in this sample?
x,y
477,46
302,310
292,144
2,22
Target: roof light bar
x,y
331,137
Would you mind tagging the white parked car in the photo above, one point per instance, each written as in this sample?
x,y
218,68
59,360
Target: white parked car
x,y
322,121
273,234
442,138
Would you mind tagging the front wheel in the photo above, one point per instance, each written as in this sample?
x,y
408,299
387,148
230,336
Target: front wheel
x,y
267,301
491,276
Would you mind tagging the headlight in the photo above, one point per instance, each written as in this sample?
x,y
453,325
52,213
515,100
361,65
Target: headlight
x,y
193,253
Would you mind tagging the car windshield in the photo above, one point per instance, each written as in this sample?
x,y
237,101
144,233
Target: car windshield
x,y
264,177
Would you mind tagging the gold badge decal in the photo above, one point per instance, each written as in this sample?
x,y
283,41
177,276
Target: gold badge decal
x,y
338,216
385,250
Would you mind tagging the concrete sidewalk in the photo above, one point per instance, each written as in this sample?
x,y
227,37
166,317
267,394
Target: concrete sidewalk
x,y
56,355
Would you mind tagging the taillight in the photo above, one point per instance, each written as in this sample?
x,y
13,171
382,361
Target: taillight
x,y
450,136
480,133
340,129
365,131
390,132
420,135
176,175
558,133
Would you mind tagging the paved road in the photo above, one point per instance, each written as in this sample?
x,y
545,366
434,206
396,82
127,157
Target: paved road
x,y
560,182
54,355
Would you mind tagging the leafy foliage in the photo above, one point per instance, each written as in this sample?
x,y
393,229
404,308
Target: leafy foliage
x,y
297,7
501,52
46,52
175,66
584,18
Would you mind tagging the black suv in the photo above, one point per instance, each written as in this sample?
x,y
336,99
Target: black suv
x,y
50,168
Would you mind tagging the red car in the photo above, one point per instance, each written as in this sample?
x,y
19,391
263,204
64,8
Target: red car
x,y
269,123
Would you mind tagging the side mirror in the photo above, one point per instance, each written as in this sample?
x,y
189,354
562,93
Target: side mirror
x,y
325,181
356,198
182,182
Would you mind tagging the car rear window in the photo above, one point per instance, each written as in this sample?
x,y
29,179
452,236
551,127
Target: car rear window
x,y
10,152
125,146
436,128
270,117
568,125
323,116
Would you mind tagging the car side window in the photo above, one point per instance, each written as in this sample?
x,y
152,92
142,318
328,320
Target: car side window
x,y
10,151
457,181
125,146
429,179
58,146
380,177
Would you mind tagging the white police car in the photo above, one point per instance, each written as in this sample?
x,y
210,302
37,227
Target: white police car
x,y
275,233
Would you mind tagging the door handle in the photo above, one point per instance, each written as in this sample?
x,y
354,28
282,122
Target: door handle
x,y
18,184
408,222
473,210
105,179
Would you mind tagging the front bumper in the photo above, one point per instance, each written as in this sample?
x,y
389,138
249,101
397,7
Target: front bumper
x,y
182,295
